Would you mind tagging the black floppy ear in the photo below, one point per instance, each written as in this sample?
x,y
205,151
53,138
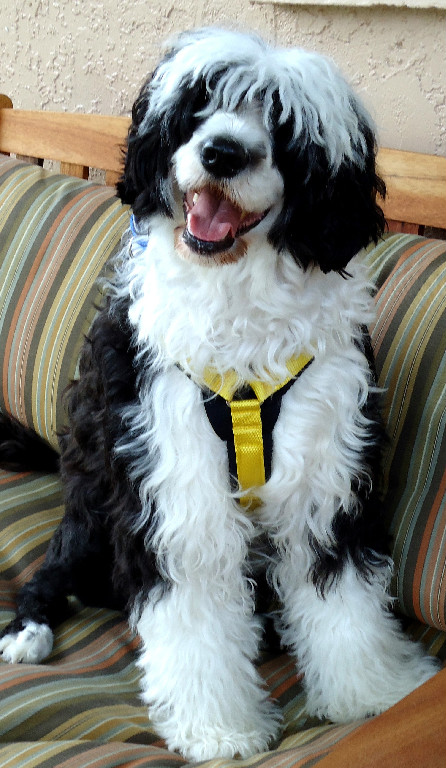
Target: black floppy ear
x,y
328,215
142,184
153,138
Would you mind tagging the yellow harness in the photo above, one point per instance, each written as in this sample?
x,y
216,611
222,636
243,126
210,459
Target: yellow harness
x,y
246,419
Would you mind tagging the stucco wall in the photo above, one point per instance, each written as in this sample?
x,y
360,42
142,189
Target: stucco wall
x,y
92,55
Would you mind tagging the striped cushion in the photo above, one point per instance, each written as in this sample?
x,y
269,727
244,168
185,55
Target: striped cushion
x,y
409,340
82,706
56,234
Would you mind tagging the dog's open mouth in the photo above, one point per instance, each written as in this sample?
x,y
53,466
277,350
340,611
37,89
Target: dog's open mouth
x,y
214,223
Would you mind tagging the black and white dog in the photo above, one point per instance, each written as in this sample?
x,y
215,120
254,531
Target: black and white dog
x,y
226,417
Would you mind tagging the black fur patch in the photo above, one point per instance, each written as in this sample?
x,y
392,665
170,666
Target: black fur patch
x,y
148,156
21,449
327,217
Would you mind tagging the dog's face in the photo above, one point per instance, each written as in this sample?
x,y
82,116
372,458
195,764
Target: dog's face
x,y
230,189
235,141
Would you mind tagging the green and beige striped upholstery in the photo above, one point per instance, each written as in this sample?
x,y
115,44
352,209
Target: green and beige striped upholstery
x,y
82,707
56,233
409,340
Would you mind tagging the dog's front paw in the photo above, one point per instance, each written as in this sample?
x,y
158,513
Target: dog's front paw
x,y
216,742
371,692
206,731
26,641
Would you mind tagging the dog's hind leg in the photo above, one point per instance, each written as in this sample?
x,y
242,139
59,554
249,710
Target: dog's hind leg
x,y
26,640
75,564
29,636
41,604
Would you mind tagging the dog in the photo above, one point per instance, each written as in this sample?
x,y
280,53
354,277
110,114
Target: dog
x,y
226,422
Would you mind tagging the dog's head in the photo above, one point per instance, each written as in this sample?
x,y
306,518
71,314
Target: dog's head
x,y
235,140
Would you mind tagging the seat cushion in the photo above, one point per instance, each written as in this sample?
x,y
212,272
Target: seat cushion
x,y
57,232
82,705
409,341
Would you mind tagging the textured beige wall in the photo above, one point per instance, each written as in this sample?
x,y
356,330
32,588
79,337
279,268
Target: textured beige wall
x,y
92,55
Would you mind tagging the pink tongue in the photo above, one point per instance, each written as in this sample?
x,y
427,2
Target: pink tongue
x,y
213,218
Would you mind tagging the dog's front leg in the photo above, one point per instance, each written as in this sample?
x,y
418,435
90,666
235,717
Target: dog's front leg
x,y
199,634
205,696
333,572
356,660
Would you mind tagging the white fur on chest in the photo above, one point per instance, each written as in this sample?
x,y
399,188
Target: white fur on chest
x,y
251,316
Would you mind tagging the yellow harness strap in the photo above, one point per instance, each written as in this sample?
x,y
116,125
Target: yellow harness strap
x,y
247,422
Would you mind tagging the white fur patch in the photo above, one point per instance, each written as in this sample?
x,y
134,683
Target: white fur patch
x,y
251,316
318,440
200,532
31,645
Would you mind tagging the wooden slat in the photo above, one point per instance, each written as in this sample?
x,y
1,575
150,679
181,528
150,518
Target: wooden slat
x,y
401,226
86,140
73,169
416,187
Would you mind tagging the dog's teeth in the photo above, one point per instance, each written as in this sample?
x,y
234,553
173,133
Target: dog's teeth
x,y
195,197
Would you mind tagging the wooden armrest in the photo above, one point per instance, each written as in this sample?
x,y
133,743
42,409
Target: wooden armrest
x,y
411,734
78,141
416,187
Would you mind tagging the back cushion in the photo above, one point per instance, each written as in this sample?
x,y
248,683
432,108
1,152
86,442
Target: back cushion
x,y
409,340
56,233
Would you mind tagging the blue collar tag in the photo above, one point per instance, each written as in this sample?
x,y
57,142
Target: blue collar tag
x,y
139,241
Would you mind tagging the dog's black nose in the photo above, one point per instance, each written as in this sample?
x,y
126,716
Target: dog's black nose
x,y
223,157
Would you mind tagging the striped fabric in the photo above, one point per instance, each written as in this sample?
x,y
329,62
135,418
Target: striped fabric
x,y
56,234
82,707
409,343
